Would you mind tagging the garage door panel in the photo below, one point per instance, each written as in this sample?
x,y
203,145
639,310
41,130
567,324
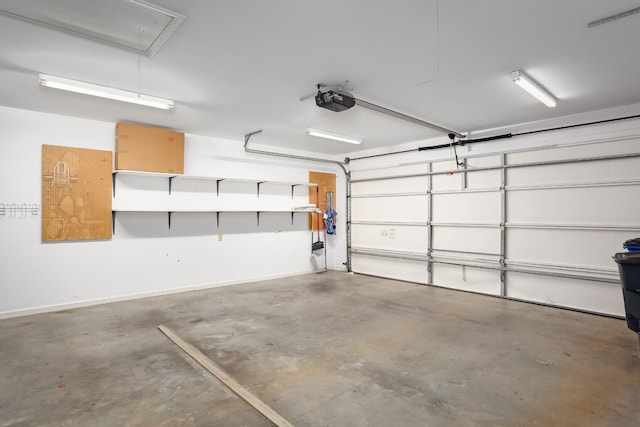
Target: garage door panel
x,y
391,237
388,172
467,239
586,295
447,182
392,209
466,278
558,225
571,173
587,248
467,208
570,152
483,179
407,270
388,186
604,206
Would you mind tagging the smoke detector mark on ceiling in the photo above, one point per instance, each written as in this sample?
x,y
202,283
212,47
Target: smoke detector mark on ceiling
x,y
134,25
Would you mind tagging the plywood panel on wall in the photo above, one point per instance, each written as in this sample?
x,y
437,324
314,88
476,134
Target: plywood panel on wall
x,y
318,195
76,193
149,149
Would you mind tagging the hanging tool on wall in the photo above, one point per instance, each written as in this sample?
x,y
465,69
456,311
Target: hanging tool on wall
x,y
318,244
330,215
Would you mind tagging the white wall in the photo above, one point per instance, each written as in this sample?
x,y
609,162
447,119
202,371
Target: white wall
x,y
144,257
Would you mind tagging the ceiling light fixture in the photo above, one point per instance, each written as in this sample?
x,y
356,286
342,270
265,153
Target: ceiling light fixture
x,y
104,92
533,88
334,136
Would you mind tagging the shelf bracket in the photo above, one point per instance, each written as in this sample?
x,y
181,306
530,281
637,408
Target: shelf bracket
x,y
113,183
292,213
218,186
169,219
292,187
170,182
260,182
258,217
217,219
113,222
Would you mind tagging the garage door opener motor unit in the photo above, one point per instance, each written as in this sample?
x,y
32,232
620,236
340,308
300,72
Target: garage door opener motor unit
x,y
334,101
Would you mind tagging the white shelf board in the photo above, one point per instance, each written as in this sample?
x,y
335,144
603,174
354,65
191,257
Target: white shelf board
x,y
213,210
142,173
208,178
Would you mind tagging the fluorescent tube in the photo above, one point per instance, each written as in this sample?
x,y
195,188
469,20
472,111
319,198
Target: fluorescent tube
x,y
533,88
334,136
104,92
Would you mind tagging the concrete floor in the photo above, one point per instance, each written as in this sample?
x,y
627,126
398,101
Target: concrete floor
x,y
329,349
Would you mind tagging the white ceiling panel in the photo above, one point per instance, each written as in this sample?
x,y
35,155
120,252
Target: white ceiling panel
x,y
135,25
233,67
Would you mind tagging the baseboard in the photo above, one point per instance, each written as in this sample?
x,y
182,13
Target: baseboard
x,y
141,295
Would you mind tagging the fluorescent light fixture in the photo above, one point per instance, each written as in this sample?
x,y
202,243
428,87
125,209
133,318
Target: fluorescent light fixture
x,y
334,136
533,88
104,92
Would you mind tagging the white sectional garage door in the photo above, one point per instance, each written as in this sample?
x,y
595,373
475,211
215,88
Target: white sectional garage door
x,y
538,225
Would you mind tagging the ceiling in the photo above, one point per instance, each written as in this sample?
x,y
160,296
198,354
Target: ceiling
x,y
234,67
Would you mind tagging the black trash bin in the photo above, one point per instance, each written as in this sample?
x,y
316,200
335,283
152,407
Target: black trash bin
x,y
629,268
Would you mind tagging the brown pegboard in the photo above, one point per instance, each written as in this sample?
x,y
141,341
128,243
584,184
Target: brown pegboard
x,y
76,193
326,183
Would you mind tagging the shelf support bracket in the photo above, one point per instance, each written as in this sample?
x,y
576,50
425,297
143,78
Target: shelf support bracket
x,y
170,182
261,182
217,219
113,222
292,213
169,219
218,186
292,187
258,217
113,183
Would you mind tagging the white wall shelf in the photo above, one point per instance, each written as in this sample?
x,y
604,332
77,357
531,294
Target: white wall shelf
x,y
171,177
217,211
